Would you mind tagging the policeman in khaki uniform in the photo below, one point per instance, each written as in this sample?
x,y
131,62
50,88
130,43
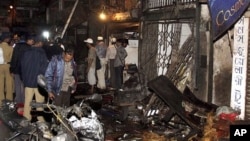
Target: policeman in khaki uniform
x,y
6,79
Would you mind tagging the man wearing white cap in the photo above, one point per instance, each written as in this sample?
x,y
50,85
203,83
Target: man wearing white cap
x,y
101,49
91,64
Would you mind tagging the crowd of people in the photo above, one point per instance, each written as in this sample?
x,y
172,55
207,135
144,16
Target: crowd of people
x,y
27,58
30,56
112,60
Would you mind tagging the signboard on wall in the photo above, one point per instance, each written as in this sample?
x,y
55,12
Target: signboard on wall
x,y
225,13
239,67
121,16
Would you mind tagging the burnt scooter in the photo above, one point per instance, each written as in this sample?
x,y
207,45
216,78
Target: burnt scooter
x,y
78,122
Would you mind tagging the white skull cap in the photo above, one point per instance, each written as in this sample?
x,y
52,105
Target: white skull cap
x,y
89,40
113,40
99,38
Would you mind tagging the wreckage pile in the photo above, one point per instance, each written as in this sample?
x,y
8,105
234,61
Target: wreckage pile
x,y
165,114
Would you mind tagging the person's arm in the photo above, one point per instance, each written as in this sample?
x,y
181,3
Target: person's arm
x,y
98,50
10,55
108,54
75,78
91,56
123,54
49,75
90,61
14,60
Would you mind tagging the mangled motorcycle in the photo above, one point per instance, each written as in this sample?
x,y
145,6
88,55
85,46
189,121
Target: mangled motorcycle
x,y
78,122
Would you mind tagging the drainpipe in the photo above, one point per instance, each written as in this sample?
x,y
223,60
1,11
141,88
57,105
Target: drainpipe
x,y
197,45
69,18
210,67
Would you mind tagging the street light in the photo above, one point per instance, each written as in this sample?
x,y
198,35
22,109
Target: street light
x,y
103,16
12,14
11,7
46,34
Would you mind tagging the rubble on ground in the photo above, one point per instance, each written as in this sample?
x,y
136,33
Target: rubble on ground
x,y
165,114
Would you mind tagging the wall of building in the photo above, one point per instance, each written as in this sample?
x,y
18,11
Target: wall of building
x,y
222,71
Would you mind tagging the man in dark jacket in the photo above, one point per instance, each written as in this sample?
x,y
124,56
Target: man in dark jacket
x,y
19,49
33,62
61,78
53,49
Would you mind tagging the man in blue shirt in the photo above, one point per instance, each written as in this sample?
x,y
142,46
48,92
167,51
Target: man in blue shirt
x,y
61,78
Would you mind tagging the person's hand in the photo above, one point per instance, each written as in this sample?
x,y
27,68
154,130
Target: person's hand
x,y
51,96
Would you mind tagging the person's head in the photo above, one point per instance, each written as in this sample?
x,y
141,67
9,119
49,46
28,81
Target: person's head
x,y
39,42
89,42
119,42
68,54
30,40
5,37
113,40
124,42
99,38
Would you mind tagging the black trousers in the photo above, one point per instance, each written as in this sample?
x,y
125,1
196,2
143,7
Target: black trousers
x,y
119,77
